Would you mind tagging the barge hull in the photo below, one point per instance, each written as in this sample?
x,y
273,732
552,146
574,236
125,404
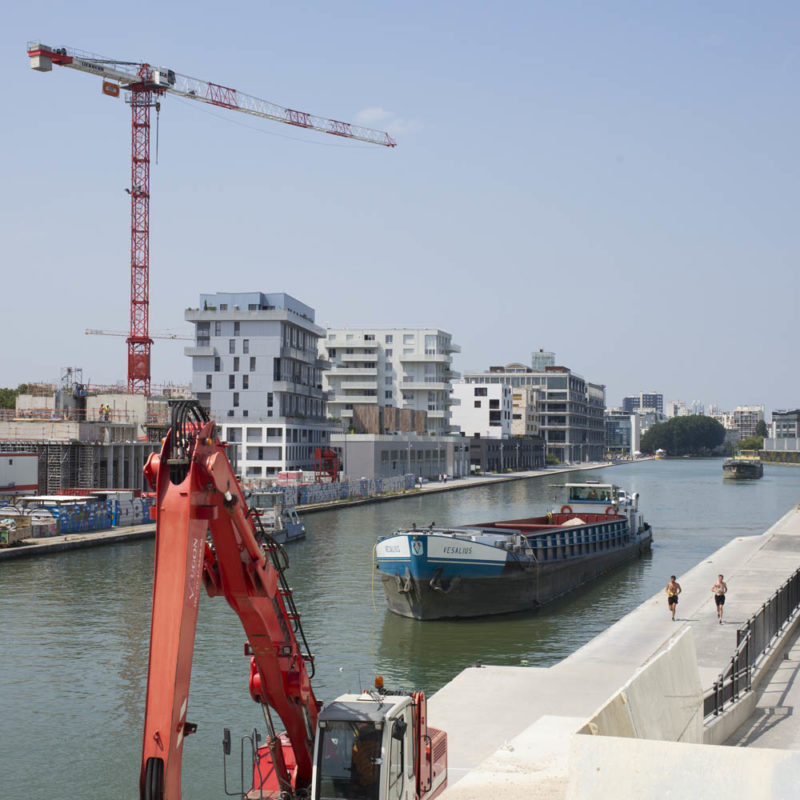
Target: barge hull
x,y
519,590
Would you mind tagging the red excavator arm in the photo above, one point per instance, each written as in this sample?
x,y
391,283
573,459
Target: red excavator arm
x,y
196,493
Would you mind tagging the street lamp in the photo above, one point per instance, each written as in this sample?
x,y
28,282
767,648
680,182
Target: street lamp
x,y
502,465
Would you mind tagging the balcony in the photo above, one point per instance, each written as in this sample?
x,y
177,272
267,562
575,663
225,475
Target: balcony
x,y
199,350
440,358
432,386
347,357
308,356
298,388
356,399
351,372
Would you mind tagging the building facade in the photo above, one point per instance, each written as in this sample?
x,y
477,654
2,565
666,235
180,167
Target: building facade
x,y
744,419
256,369
483,410
570,409
622,432
642,401
410,368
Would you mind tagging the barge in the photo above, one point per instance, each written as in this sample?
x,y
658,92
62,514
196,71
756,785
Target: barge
x,y
513,565
744,466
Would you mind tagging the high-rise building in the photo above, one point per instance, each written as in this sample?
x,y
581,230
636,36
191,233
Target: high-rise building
x,y
410,368
541,359
256,369
642,401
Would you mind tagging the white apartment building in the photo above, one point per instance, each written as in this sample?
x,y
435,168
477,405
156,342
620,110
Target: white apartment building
x,y
402,367
483,410
256,369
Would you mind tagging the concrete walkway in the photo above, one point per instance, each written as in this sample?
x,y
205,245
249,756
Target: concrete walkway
x,y
774,722
490,712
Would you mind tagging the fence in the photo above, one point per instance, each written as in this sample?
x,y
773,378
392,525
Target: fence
x,y
752,641
312,493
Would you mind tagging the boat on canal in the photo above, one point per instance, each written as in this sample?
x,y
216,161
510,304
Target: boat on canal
x,y
278,517
513,565
745,465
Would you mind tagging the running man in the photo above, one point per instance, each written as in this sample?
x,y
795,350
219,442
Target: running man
x,y
673,590
719,589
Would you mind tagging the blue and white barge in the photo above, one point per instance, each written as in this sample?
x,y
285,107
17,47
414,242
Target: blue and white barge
x,y
513,565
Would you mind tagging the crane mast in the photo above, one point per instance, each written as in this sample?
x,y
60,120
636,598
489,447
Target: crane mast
x,y
146,84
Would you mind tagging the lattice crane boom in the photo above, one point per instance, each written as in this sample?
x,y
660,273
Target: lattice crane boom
x,y
145,84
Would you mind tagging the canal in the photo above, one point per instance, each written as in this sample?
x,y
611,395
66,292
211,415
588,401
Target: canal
x,y
74,626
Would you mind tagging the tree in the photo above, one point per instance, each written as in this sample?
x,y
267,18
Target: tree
x,y
8,398
761,429
750,443
680,436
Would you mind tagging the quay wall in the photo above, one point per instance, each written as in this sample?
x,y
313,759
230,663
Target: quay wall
x,y
663,700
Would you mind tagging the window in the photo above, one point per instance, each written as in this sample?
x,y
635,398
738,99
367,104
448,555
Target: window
x,y
269,399
388,380
388,338
235,399
388,394
252,363
245,381
236,363
480,391
494,404
208,382
231,381
217,363
217,329
245,345
408,338
223,306
477,404
236,328
231,345
234,435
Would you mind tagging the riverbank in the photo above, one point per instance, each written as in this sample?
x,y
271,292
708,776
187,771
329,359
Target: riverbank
x,y
73,541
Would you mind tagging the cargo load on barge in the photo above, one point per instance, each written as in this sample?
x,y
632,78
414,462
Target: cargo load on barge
x,y
513,565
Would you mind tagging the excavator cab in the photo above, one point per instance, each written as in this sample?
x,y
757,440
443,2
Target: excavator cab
x,y
366,749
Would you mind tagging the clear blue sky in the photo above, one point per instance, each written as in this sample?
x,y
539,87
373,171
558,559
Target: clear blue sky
x,y
612,181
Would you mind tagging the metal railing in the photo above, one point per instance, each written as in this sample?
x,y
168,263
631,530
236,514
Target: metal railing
x,y
753,640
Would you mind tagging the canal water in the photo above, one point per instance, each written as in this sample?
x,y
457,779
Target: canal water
x,y
74,626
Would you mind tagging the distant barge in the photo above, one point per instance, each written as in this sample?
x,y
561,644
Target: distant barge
x,y
745,466
515,565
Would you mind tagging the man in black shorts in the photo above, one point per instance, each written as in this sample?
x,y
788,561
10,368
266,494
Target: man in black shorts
x,y
673,590
719,589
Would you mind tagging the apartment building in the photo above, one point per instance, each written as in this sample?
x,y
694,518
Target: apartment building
x,y
410,368
256,369
569,410
483,410
643,401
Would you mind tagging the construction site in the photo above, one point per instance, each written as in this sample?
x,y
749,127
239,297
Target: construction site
x,y
85,436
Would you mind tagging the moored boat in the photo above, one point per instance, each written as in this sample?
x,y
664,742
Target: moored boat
x,y
746,465
513,565
279,519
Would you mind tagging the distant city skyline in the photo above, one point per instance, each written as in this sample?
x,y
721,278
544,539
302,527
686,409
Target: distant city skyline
x,y
612,183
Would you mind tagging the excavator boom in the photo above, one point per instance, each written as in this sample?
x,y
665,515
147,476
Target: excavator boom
x,y
198,494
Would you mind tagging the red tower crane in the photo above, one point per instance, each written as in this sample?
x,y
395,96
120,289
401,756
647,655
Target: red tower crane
x,y
146,84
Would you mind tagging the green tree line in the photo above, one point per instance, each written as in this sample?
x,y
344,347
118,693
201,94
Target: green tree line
x,y
681,436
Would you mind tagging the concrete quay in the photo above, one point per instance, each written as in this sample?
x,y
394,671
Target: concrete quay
x,y
622,716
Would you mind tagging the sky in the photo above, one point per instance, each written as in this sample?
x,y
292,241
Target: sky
x,y
615,182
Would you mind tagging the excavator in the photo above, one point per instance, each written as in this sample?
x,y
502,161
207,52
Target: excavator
x,y
373,745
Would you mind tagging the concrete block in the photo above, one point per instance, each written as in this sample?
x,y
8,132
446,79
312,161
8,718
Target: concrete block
x,y
600,766
663,700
